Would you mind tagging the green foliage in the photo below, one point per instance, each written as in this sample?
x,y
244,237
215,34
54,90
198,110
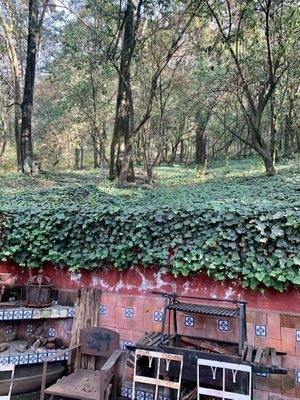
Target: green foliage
x,y
228,228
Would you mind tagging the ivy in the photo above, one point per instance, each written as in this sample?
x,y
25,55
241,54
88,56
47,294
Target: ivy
x,y
260,246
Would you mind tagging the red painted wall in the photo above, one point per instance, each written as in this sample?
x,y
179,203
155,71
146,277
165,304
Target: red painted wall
x,y
142,281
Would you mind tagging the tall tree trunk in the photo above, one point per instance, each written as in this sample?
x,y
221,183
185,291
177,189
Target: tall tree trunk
x,y
14,64
123,126
96,153
34,31
200,155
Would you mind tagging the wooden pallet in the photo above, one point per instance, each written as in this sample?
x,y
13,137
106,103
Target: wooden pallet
x,y
263,360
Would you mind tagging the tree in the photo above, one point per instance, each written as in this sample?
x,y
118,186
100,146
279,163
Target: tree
x,y
254,34
36,14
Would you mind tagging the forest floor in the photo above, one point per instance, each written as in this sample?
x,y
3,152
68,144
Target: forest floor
x,y
243,181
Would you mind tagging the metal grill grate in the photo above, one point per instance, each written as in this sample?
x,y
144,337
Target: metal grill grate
x,y
204,309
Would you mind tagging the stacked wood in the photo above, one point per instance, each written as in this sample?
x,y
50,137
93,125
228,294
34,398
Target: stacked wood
x,y
86,316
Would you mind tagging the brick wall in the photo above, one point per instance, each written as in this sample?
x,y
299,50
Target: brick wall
x,y
127,305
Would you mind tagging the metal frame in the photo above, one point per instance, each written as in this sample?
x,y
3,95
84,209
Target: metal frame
x,y
223,394
7,368
171,298
156,357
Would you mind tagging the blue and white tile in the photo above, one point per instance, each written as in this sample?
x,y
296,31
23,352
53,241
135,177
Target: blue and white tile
x,y
129,312
41,356
297,335
149,396
9,329
51,331
129,392
103,309
158,316
14,360
4,360
18,314
140,395
126,343
261,330
261,374
124,391
27,314
29,328
298,377
32,358
189,321
8,315
23,360
1,315
223,325
71,312
60,358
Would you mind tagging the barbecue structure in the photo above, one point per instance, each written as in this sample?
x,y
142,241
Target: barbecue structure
x,y
213,351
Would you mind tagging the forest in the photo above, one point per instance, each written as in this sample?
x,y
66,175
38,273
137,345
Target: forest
x,y
126,85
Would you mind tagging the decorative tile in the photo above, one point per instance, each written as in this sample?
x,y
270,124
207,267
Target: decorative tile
x,y
149,396
102,309
71,312
29,328
126,343
41,356
297,335
8,315
1,314
260,330
139,395
27,314
129,393
66,356
158,316
51,332
18,314
223,325
9,329
23,360
60,358
32,358
261,374
129,312
189,321
124,391
298,377
4,360
14,360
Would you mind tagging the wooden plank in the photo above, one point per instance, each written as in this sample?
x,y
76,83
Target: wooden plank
x,y
156,354
258,355
265,355
204,344
157,382
274,357
244,355
249,354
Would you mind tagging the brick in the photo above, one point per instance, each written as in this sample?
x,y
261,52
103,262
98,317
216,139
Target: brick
x,y
273,328
273,382
288,383
256,317
288,340
290,321
292,362
109,299
297,348
260,395
127,301
250,333
275,396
